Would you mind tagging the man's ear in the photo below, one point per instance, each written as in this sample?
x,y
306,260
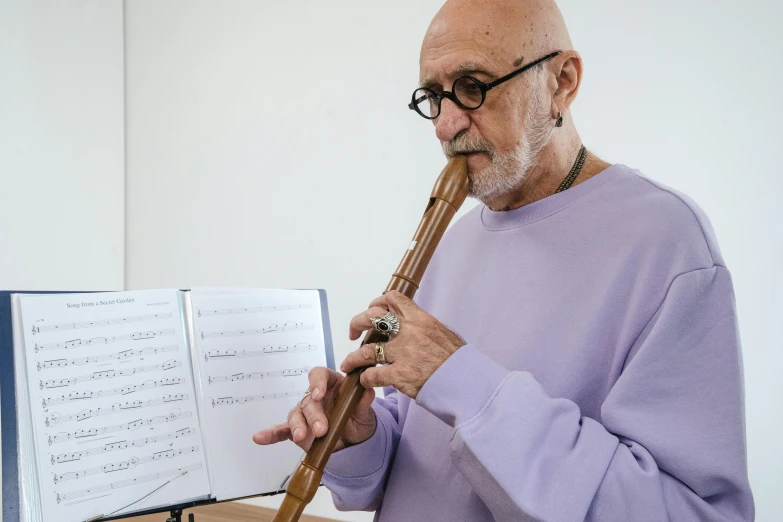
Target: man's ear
x,y
568,78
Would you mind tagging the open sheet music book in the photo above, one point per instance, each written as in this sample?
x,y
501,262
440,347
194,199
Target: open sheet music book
x,y
140,400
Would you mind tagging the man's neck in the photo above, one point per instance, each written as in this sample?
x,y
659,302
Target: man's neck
x,y
553,165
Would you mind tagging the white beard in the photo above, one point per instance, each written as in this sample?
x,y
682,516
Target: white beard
x,y
507,171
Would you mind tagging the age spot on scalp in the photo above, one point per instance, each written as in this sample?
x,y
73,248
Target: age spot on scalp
x,y
519,61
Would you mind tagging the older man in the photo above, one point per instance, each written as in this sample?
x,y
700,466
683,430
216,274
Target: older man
x,y
591,366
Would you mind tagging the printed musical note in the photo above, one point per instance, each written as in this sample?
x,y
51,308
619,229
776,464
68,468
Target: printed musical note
x,y
120,445
76,343
257,375
116,392
231,353
125,390
247,342
273,328
125,483
56,418
227,401
127,426
119,356
95,324
130,463
108,374
254,309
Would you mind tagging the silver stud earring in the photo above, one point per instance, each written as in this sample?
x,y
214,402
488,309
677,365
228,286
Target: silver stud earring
x,y
559,122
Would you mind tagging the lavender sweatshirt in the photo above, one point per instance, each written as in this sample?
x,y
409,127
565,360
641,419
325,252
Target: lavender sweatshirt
x,y
602,379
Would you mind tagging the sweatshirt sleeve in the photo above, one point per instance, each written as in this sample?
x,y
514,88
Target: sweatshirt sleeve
x,y
356,475
670,444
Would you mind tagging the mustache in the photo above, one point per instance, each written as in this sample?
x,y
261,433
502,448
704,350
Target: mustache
x,y
465,144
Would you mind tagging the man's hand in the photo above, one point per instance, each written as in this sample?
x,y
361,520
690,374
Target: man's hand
x,y
414,354
307,420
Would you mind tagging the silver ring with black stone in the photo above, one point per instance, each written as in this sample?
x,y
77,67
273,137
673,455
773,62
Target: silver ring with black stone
x,y
389,324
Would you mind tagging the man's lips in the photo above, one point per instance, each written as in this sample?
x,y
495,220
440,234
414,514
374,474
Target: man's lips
x,y
467,153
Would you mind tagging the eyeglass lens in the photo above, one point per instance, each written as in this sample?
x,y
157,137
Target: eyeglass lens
x,y
466,89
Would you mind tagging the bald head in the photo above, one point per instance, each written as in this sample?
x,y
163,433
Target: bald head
x,y
505,33
521,124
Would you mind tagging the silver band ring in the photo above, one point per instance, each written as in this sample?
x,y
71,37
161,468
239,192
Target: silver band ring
x,y
389,324
304,397
379,357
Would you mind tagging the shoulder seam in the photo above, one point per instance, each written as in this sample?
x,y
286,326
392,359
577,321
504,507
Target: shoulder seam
x,y
663,300
695,216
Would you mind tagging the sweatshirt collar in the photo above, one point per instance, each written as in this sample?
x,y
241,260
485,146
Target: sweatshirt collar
x,y
547,206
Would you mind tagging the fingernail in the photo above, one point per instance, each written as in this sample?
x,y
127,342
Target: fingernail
x,y
317,426
315,393
297,433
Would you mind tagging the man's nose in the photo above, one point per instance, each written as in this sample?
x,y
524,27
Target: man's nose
x,y
451,121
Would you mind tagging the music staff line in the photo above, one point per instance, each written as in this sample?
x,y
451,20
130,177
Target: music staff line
x,y
125,390
253,309
62,458
257,375
120,356
108,374
97,324
228,401
175,414
76,343
56,418
125,483
272,328
130,463
231,353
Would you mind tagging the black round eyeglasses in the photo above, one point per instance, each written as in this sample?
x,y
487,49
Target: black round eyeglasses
x,y
467,92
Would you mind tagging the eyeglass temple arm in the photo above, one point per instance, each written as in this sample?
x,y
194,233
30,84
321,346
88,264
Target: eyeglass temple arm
x,y
412,104
523,69
507,77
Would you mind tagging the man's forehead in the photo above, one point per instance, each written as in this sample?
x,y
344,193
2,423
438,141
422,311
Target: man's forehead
x,y
454,46
459,57
451,73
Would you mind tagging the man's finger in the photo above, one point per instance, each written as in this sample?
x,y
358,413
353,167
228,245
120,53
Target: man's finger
x,y
298,425
378,377
272,435
366,401
364,356
321,379
396,301
362,322
316,419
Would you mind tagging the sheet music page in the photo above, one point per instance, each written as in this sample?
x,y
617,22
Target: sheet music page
x,y
255,350
113,403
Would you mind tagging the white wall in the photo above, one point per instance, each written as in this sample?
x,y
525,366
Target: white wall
x,y
61,145
62,197
261,136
